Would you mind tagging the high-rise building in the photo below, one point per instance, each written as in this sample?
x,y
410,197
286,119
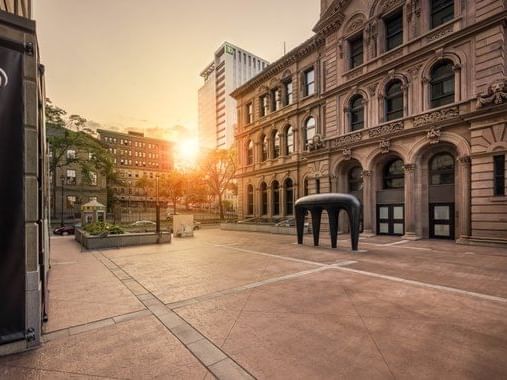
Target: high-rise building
x,y
231,67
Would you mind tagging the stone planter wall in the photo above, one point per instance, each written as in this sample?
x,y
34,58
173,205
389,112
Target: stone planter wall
x,y
119,241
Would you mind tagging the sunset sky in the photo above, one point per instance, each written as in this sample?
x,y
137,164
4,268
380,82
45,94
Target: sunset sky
x,y
136,64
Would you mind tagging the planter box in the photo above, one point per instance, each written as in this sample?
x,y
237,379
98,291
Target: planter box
x,y
258,228
118,241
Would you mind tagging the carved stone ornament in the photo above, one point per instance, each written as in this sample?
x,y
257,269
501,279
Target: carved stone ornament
x,y
434,136
437,116
346,140
372,89
465,160
495,94
316,143
440,33
390,4
347,154
409,168
385,146
355,24
387,129
367,173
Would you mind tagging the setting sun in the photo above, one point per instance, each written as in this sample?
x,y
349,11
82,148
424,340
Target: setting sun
x,y
187,151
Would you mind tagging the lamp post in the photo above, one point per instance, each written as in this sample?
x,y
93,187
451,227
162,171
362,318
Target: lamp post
x,y
62,178
157,208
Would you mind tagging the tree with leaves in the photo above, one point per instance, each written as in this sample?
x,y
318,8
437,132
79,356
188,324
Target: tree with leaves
x,y
219,168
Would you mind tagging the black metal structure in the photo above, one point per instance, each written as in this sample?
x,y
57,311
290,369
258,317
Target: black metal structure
x,y
332,203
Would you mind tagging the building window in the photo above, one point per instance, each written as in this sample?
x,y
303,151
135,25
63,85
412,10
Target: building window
x,y
355,178
309,131
289,95
71,154
305,187
441,12
71,177
264,195
250,200
356,51
309,82
289,141
276,98
442,84
499,175
264,105
249,113
394,30
276,198
250,153
71,201
394,175
317,186
276,144
356,113
93,178
442,169
289,196
394,101
265,145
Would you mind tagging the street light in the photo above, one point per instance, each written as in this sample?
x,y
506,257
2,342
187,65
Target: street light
x,y
62,177
157,208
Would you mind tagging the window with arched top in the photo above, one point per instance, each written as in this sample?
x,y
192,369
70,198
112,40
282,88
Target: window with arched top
x,y
394,174
250,200
442,83
289,141
309,131
250,153
276,144
441,11
264,147
355,178
356,113
275,188
393,100
289,196
264,198
442,169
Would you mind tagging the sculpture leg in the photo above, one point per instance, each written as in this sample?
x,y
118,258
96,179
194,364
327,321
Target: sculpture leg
x,y
316,216
333,225
354,221
300,223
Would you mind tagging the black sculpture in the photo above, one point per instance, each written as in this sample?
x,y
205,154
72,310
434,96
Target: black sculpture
x,y
332,203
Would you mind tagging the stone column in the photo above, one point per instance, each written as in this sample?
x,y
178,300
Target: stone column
x,y
410,233
464,201
367,203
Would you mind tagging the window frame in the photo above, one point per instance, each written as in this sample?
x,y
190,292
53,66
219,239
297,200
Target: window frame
x,y
250,153
264,198
499,175
309,84
389,98
289,197
433,172
436,102
359,39
249,113
289,95
264,105
432,12
250,200
307,139
359,110
289,137
388,20
277,144
276,197
264,148
355,181
387,176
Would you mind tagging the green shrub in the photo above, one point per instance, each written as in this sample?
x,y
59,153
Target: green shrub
x,y
99,228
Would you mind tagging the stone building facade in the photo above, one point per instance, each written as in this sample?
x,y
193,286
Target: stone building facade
x,y
400,102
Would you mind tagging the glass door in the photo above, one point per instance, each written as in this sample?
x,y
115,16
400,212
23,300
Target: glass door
x,y
391,219
442,220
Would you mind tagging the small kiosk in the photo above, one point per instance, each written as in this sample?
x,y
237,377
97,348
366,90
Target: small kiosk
x,y
93,212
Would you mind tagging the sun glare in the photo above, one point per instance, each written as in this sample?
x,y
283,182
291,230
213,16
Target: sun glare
x,y
188,150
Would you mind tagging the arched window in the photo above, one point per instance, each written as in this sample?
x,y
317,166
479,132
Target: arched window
x,y
309,131
442,169
394,101
305,187
289,141
442,84
276,198
356,113
355,179
394,175
250,153
264,153
264,195
250,200
276,144
289,196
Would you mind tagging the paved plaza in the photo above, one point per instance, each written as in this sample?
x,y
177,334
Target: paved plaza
x,y
236,305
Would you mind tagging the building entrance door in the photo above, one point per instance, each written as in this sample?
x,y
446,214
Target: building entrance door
x,y
442,220
391,219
